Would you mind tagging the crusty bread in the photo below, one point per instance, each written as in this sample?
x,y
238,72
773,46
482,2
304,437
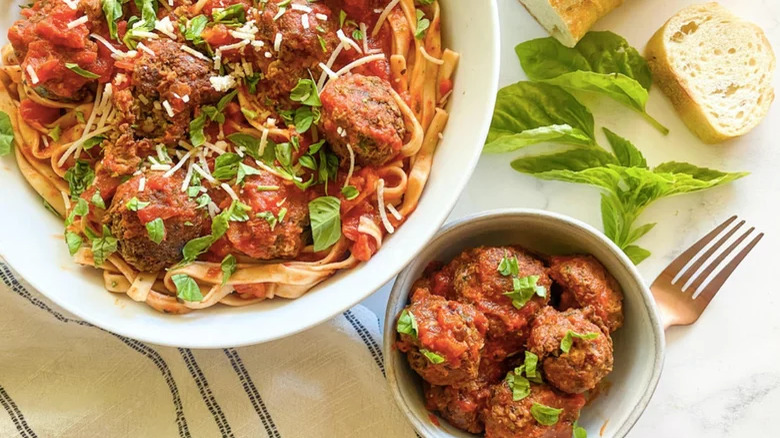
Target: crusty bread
x,y
569,20
716,69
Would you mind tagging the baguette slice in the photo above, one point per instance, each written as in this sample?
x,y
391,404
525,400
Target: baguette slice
x,y
569,20
716,69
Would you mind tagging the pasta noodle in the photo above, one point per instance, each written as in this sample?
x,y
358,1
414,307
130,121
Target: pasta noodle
x,y
74,149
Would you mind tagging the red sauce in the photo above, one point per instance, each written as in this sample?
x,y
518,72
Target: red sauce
x,y
166,205
364,246
434,419
35,113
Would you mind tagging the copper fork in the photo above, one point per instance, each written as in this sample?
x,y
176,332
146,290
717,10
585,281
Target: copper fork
x,y
678,304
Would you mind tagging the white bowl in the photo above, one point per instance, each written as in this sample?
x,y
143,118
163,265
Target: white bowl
x,y
639,344
31,237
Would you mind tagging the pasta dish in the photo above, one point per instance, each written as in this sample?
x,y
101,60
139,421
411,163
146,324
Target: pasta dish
x,y
225,151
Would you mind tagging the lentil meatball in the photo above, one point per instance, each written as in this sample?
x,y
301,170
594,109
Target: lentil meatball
x,y
463,406
453,331
167,76
360,111
507,418
587,283
276,221
477,280
182,220
587,361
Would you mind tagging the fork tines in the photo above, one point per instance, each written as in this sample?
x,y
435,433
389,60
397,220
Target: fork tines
x,y
691,279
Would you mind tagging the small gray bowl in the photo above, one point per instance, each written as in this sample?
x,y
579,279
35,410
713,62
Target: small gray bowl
x,y
639,344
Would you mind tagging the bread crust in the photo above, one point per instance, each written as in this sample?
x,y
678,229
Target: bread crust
x,y
678,90
578,16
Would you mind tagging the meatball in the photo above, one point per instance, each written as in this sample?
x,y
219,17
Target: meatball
x,y
587,283
181,219
359,112
476,280
587,361
168,76
279,213
124,156
463,406
507,418
42,42
445,339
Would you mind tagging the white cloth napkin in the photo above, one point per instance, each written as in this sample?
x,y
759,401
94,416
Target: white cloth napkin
x,y
63,377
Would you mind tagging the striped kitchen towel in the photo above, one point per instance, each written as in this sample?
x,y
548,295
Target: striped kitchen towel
x,y
63,377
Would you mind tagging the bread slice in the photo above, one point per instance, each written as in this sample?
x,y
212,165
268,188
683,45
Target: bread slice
x,y
716,69
569,20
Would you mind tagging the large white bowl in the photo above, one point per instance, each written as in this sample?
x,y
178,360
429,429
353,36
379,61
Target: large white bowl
x,y
639,344
31,237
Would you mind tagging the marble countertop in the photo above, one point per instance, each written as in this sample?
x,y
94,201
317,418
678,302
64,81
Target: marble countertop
x,y
721,377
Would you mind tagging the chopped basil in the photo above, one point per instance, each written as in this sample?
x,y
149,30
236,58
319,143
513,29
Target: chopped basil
x,y
350,192
92,142
422,25
304,118
6,134
250,143
244,171
202,201
306,93
579,431
79,177
231,14
80,116
342,18
508,266
226,166
97,200
134,204
226,99
249,114
357,34
523,289
545,415
156,230
252,81
80,71
239,212
323,43
407,324
81,209
282,214
74,242
519,385
325,217
197,137
103,246
270,218
568,340
112,9
432,357
198,246
266,188
55,133
194,29
186,288
214,114
228,267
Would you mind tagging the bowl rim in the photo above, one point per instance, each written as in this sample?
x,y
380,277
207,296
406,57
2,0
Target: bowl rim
x,y
398,294
11,257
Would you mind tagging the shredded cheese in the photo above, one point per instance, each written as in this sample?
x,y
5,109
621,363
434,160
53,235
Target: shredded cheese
x,y
32,74
194,52
364,31
305,21
359,62
73,4
141,184
383,16
168,108
65,200
229,191
222,83
277,41
322,17
394,212
380,199
214,148
279,14
351,164
237,45
144,48
203,174
367,226
166,27
160,167
302,8
77,22
179,165
348,43
429,57
145,34
329,65
263,142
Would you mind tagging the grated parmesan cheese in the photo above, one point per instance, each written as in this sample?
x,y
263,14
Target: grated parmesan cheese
x,y
348,43
165,26
302,8
222,83
65,200
142,184
145,34
144,48
360,61
77,22
73,4
229,191
322,17
430,58
305,21
31,73
203,174
194,52
160,167
383,17
278,41
380,199
168,108
394,212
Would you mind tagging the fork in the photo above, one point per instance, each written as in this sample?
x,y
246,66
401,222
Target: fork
x,y
677,304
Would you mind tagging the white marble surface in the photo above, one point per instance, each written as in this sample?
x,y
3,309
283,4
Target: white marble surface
x,y
722,375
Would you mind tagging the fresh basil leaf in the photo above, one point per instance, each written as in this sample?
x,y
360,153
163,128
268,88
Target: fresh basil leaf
x,y
55,133
342,18
580,432
186,288
315,147
325,216
627,154
234,13
244,171
432,357
350,192
527,113
112,9
573,160
202,201
80,71
80,209
156,230
305,92
250,143
308,162
197,137
531,361
194,28
226,166
600,52
74,242
523,289
636,254
79,177
304,117
545,415
407,324
97,200
508,266
568,339
103,247
638,232
422,25
134,204
357,35
252,81
226,99
228,267
92,142
520,386
269,217
239,212
196,247
6,134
